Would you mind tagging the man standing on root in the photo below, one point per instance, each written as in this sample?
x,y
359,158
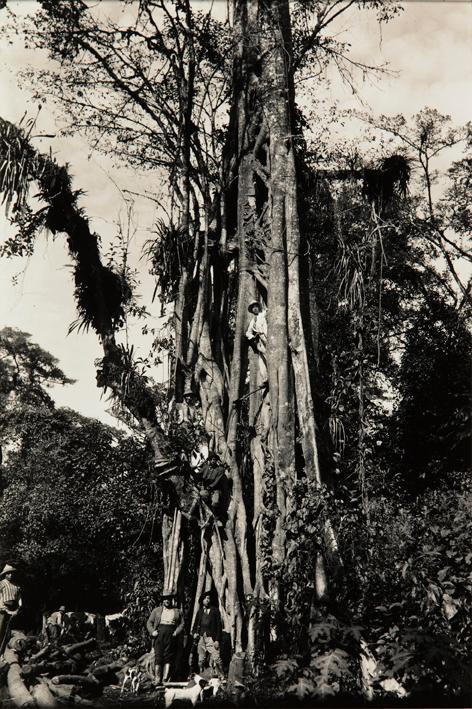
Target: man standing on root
x,y
164,625
207,630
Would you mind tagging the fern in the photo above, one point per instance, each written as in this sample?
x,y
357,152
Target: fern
x,y
331,668
284,667
303,688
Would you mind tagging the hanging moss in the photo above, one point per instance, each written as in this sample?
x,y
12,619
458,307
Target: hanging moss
x,y
101,294
380,184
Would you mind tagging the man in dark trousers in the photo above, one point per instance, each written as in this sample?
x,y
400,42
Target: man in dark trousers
x,y
207,630
164,625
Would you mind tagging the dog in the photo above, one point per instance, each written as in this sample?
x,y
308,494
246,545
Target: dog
x,y
215,684
147,663
133,677
192,694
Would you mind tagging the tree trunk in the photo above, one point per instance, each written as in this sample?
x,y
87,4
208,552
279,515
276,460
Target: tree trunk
x,y
260,177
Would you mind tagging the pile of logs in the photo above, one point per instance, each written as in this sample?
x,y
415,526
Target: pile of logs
x,y
57,674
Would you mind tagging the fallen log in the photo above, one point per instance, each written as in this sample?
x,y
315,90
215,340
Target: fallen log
x,y
111,667
43,696
77,647
61,691
40,654
88,681
18,641
53,668
16,687
17,644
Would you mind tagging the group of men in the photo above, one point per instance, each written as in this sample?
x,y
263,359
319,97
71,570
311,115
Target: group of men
x,y
166,624
75,626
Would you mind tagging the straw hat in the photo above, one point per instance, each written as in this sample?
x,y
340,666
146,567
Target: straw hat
x,y
7,569
251,305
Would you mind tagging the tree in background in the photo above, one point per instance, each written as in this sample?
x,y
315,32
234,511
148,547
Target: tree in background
x,y
432,420
26,371
77,510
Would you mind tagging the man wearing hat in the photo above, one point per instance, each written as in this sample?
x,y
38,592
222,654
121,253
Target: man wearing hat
x,y
191,409
257,335
207,630
188,410
164,625
10,600
57,624
257,329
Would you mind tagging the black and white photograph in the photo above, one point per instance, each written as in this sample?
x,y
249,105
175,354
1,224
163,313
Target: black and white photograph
x,y
235,353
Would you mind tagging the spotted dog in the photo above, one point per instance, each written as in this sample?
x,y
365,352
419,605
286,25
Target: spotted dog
x,y
133,677
193,693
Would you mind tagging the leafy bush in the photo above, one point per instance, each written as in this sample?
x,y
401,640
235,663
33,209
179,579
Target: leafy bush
x,y
412,590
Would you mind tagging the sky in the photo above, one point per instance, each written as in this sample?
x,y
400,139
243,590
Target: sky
x,y
429,47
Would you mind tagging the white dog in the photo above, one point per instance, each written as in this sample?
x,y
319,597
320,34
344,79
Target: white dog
x,y
147,663
214,684
193,694
133,677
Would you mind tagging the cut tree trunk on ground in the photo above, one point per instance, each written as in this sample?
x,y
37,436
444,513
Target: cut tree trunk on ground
x,y
43,696
78,647
86,681
21,697
61,691
44,652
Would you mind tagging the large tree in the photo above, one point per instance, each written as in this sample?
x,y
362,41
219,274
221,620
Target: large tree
x,y
155,91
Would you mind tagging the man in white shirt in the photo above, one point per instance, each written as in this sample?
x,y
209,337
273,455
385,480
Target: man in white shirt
x,y
257,336
257,329
10,601
164,625
57,624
